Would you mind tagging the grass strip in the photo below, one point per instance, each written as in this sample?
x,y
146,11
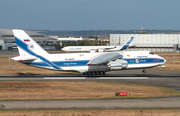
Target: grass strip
x,y
70,90
92,112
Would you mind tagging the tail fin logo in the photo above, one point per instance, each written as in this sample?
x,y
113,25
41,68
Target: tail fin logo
x,y
30,46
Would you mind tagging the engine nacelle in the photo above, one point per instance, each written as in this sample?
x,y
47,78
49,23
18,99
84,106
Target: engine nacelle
x,y
92,51
96,50
118,64
100,50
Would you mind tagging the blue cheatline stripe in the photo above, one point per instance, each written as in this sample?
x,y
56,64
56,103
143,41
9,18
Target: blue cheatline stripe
x,y
63,63
143,60
24,46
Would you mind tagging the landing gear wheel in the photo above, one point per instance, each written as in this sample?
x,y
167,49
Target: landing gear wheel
x,y
95,73
91,73
87,74
99,73
144,71
103,73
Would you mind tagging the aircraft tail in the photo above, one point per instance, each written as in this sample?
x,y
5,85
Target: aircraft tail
x,y
127,44
26,45
29,50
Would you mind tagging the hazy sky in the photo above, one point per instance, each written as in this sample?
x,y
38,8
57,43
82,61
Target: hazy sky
x,y
90,14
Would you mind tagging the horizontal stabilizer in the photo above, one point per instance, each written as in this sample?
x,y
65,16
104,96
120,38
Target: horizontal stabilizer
x,y
23,58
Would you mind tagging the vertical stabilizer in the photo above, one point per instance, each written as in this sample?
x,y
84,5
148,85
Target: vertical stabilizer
x,y
26,45
127,44
28,48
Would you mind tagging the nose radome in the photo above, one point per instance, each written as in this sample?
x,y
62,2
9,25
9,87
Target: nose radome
x,y
164,60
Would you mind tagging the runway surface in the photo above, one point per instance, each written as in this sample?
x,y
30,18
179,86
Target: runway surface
x,y
152,77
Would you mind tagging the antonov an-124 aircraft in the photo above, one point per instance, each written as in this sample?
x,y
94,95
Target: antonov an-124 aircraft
x,y
97,63
98,48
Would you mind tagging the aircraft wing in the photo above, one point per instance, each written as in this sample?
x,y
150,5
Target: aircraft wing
x,y
104,58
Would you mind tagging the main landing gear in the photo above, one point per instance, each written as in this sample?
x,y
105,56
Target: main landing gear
x,y
94,73
144,71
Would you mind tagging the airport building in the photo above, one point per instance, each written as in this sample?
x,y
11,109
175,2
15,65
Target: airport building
x,y
7,40
150,42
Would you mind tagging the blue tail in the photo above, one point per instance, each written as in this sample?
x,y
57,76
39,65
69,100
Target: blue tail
x,y
127,44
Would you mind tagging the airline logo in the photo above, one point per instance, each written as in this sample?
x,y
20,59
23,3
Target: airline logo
x,y
26,40
137,61
30,46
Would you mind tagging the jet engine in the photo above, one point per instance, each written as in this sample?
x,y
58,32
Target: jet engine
x,y
96,50
100,50
117,64
92,51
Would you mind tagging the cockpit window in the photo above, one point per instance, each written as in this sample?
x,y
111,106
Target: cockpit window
x,y
151,53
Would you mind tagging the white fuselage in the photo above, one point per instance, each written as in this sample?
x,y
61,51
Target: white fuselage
x,y
78,61
86,48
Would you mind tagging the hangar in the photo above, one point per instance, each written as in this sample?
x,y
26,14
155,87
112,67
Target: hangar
x,y
7,40
150,42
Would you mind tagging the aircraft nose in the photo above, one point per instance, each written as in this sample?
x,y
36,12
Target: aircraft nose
x,y
161,60
164,60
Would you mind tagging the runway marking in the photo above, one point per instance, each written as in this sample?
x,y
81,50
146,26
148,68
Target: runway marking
x,y
95,77
85,75
122,75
